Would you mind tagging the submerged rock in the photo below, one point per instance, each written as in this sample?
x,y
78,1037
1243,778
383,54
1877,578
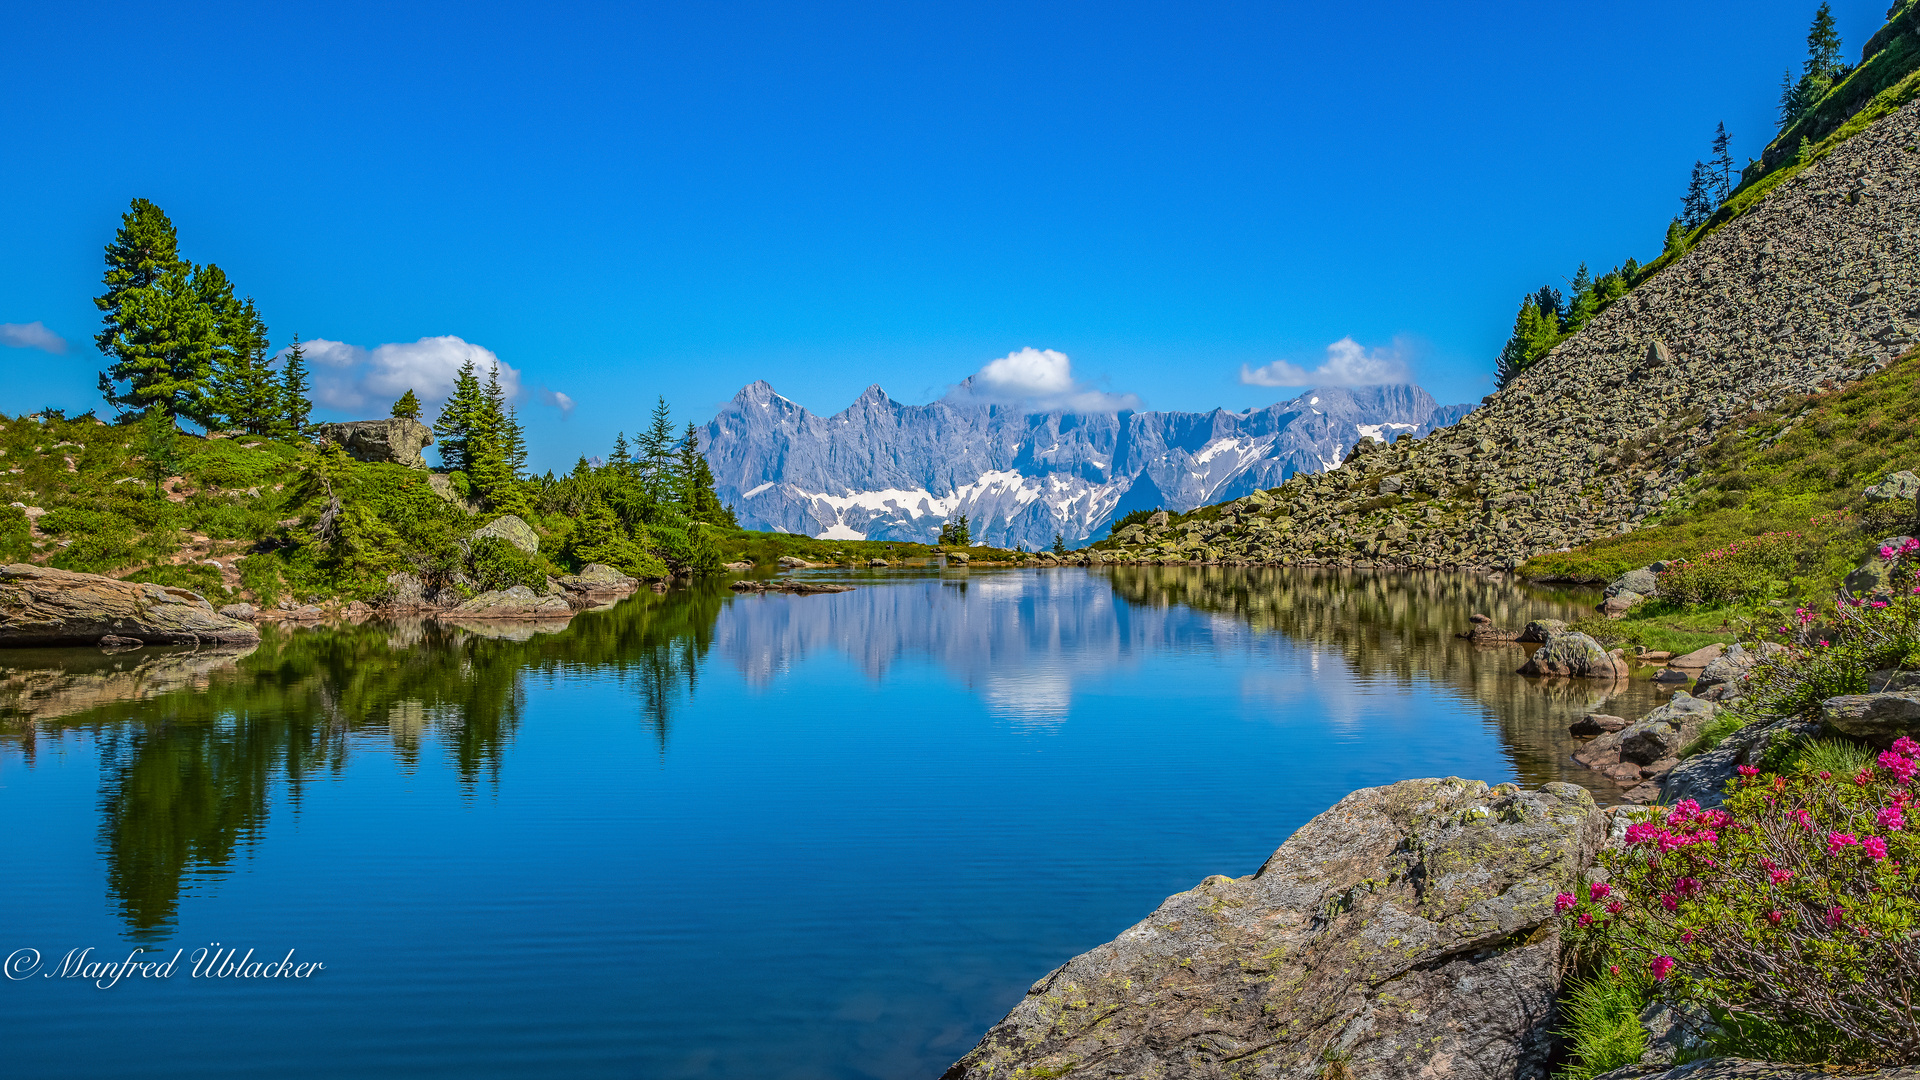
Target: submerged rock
x,y
43,606
1408,931
799,588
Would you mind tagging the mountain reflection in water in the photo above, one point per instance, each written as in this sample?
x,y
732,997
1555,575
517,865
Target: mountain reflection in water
x,y
192,744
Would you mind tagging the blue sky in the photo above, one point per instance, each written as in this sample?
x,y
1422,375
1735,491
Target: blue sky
x,y
630,200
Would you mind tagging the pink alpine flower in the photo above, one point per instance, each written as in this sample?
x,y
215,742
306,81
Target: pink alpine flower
x,y
1904,745
1901,766
1875,847
1891,819
1781,877
1564,902
1749,771
1838,840
1803,817
1660,967
1616,908
1599,890
1836,916
1585,919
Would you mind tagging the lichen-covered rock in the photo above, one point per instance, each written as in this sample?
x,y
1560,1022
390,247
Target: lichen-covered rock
x,y
1704,776
1902,486
43,606
1877,718
392,440
1617,605
518,602
1874,577
514,531
1575,656
405,590
1482,631
1408,931
1641,582
243,612
1540,630
599,578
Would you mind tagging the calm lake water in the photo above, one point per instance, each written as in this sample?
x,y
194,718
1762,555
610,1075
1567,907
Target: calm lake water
x,y
701,834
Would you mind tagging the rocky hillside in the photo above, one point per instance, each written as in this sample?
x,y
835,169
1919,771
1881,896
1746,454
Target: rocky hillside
x,y
1813,288
883,470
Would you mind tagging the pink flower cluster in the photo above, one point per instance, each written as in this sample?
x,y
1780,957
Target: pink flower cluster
x,y
1889,551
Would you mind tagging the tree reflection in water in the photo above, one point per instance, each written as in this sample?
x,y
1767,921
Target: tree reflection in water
x,y
192,745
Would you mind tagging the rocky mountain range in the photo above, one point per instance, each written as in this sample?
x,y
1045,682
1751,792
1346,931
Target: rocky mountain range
x,y
883,470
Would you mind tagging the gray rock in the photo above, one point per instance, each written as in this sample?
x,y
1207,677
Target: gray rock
x,y
1877,718
1874,577
1735,664
518,602
1617,605
1704,776
1408,931
391,440
43,606
243,612
883,562
1663,732
1744,1069
1675,1033
599,578
1642,582
958,558
1539,630
1597,724
514,531
442,485
1576,656
1902,486
1698,659
794,562
405,590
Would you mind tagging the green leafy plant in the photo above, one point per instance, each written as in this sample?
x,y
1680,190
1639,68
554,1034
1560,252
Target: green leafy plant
x,y
1733,572
1794,906
1603,1024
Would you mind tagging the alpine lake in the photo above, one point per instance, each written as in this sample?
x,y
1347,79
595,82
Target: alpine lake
x,y
698,833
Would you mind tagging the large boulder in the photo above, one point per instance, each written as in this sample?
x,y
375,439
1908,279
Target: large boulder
x,y
599,578
43,606
1641,582
1576,656
1541,630
1409,931
518,602
1902,486
391,440
514,531
1874,577
1877,718
1704,776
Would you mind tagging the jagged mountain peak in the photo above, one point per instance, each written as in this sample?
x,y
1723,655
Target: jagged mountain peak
x,y
882,469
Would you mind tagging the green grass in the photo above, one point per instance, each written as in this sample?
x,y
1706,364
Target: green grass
x,y
765,549
1841,757
1794,468
1603,1026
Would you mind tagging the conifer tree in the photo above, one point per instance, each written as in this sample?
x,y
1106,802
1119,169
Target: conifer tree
x,y
1676,235
1789,107
408,407
1823,45
1697,204
295,403
620,462
245,395
1722,164
514,442
455,425
1059,544
657,453
154,327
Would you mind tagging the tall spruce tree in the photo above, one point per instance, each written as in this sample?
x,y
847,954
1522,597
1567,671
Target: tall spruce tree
x,y
1722,164
1789,107
1697,204
454,427
1823,45
154,327
514,441
296,389
657,453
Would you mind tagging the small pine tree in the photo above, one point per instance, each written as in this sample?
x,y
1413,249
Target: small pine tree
x,y
1059,544
1676,235
1722,164
408,407
514,440
657,453
295,403
1789,107
621,460
159,445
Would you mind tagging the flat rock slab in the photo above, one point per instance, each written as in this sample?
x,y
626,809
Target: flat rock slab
x,y
799,588
518,602
1409,931
41,606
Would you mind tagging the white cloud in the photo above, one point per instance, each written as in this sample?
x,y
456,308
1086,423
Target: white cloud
x,y
1039,380
33,335
558,400
1348,364
354,379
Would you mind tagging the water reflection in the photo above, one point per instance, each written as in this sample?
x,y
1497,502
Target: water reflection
x,y
194,745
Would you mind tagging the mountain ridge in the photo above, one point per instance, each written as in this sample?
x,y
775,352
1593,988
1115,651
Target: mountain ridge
x,y
881,469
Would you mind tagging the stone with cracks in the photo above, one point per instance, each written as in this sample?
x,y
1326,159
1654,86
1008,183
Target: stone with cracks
x,y
518,602
1576,656
1877,718
42,606
1407,932
392,440
514,531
